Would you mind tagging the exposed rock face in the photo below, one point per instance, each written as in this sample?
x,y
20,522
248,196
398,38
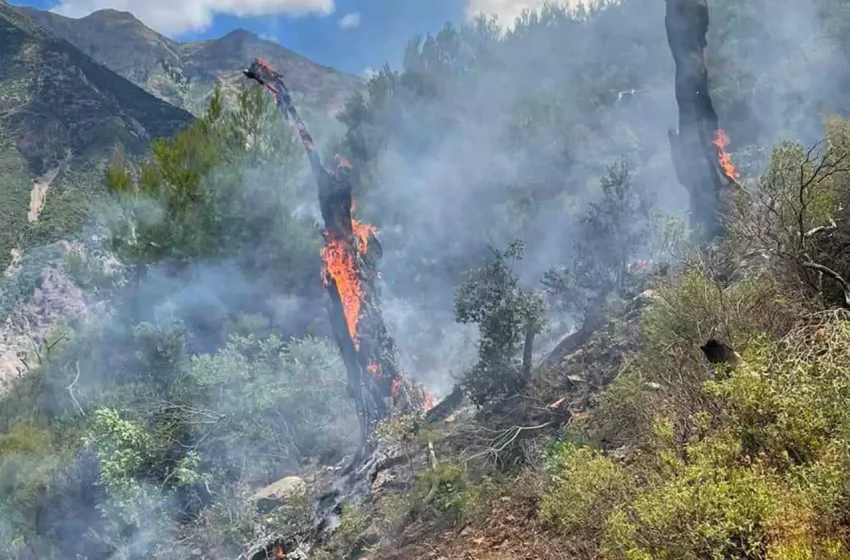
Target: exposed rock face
x,y
55,299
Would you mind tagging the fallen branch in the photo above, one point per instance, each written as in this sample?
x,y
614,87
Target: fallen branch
x,y
504,439
845,286
434,465
814,231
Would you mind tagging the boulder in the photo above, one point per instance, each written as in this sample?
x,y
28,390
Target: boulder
x,y
277,493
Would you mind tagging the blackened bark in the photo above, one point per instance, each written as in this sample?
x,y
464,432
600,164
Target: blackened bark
x,y
693,150
374,380
528,350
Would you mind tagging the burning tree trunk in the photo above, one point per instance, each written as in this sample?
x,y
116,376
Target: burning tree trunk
x,y
351,253
698,148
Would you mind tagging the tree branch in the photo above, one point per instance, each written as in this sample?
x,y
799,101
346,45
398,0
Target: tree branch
x,y
70,389
845,286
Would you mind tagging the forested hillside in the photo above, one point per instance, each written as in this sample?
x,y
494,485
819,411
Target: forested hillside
x,y
608,382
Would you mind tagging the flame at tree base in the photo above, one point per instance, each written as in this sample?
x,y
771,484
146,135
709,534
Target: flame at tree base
x,y
342,257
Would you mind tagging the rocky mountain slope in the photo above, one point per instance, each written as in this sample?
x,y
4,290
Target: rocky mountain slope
x,y
60,115
184,73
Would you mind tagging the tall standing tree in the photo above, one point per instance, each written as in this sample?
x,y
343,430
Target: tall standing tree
x,y
695,146
351,254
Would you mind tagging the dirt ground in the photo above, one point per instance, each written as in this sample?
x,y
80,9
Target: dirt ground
x,y
510,530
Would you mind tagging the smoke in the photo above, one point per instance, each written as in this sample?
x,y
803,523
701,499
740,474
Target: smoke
x,y
491,136
516,127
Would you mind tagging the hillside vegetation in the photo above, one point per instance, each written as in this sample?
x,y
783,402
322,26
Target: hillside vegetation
x,y
696,411
60,114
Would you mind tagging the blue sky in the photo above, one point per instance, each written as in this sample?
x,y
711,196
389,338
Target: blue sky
x,y
351,35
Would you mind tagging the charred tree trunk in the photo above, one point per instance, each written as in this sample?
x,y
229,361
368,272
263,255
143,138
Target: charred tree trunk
x,y
528,350
694,153
351,254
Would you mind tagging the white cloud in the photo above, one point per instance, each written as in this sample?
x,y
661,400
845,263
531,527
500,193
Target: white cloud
x,y
506,10
349,21
173,17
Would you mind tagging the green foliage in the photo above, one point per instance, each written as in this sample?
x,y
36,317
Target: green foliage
x,y
586,486
755,469
707,511
233,521
443,492
623,412
222,188
352,522
491,297
90,272
347,539
121,446
793,216
29,455
286,399
123,449
694,306
170,428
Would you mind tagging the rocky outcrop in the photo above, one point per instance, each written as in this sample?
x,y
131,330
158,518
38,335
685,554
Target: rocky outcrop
x,y
24,332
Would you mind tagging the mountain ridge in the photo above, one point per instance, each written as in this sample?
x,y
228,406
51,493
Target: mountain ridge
x,y
61,113
184,73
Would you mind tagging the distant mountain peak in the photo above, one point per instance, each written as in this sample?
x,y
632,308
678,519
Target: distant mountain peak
x,y
240,33
112,13
57,132
184,74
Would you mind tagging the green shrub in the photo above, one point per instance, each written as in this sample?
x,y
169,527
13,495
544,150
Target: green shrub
x,y
763,476
586,486
29,456
280,403
443,492
624,411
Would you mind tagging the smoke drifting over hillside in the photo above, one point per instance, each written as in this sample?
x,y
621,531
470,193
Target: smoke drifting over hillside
x,y
483,137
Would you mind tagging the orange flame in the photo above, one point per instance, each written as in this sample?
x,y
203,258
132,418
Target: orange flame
x,y
396,386
361,233
429,401
340,267
724,158
279,552
338,256
374,369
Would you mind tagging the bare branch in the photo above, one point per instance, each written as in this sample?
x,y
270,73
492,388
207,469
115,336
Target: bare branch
x,y
815,231
70,389
845,286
